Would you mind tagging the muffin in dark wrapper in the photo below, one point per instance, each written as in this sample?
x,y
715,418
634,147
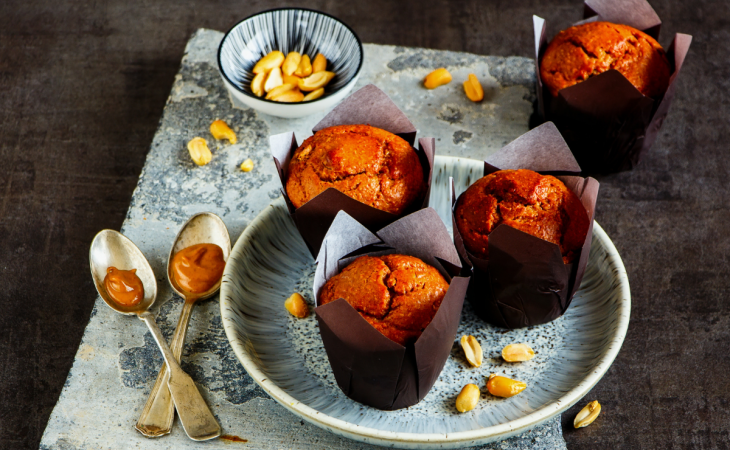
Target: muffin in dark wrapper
x,y
367,106
605,120
525,280
369,367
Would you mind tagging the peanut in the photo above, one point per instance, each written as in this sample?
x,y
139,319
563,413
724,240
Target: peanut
x,y
291,63
199,151
437,78
467,398
220,130
297,306
268,62
273,80
500,386
305,67
473,89
257,84
247,165
314,95
517,353
316,81
319,64
472,350
587,415
280,90
291,96
291,79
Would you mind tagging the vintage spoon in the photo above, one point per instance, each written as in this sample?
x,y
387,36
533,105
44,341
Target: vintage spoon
x,y
203,228
111,248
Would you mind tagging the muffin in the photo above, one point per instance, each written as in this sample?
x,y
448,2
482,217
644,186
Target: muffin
x,y
371,165
536,204
397,294
590,49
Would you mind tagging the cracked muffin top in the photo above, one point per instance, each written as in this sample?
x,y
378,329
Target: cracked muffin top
x,y
537,204
580,52
371,165
397,294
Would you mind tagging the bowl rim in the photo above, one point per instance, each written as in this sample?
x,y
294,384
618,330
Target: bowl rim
x,y
249,94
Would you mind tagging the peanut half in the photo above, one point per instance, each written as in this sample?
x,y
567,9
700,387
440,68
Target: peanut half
x,y
199,151
517,353
247,165
280,90
220,130
305,67
314,95
473,88
268,62
257,84
297,306
273,80
468,398
316,81
319,64
587,415
290,96
437,78
291,63
472,350
500,386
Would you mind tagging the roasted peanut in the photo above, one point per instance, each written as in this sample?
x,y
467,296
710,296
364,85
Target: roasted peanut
x,y
199,151
220,130
319,64
316,81
305,67
587,415
291,63
247,165
291,79
273,79
468,398
257,84
473,88
268,62
500,386
291,96
472,350
517,353
314,95
297,306
437,78
280,90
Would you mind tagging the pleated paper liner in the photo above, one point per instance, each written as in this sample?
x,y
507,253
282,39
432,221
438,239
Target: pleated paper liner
x,y
369,367
607,123
367,106
524,281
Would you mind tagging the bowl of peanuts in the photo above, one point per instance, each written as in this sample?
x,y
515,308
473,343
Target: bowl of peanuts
x,y
290,62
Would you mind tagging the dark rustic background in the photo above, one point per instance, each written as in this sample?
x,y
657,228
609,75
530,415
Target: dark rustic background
x,y
83,84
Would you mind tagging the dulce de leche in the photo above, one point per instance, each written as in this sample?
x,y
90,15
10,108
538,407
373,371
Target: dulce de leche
x,y
124,286
196,269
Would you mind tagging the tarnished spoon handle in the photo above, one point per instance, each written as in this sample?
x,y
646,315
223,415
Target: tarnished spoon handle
x,y
159,411
195,416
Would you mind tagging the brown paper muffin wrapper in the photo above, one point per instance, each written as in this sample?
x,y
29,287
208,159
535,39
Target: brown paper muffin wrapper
x,y
367,106
369,367
605,120
525,282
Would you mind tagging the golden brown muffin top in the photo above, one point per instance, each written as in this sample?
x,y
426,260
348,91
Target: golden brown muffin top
x,y
397,294
582,51
371,165
537,204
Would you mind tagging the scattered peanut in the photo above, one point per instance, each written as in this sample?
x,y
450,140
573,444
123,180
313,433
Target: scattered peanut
x,y
297,306
280,90
500,386
314,95
268,62
291,63
273,80
199,151
305,67
473,89
472,350
437,78
316,81
247,165
257,84
517,353
220,130
319,64
587,415
468,398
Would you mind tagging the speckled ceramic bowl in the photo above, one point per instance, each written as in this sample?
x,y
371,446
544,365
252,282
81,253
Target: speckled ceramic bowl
x,y
286,357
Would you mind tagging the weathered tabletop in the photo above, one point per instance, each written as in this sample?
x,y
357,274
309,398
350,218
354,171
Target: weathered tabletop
x,y
117,361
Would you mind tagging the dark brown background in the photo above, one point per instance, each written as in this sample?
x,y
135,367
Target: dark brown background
x,y
83,84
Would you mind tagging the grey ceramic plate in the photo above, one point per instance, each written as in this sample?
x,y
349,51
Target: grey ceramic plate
x,y
286,357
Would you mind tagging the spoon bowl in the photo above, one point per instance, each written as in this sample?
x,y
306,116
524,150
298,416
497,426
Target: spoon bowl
x,y
112,249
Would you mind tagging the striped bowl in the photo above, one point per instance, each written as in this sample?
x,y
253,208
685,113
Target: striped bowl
x,y
290,29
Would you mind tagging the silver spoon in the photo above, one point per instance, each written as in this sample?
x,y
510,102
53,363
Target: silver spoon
x,y
203,228
111,248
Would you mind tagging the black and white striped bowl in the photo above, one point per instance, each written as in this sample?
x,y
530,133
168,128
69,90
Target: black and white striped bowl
x,y
290,29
